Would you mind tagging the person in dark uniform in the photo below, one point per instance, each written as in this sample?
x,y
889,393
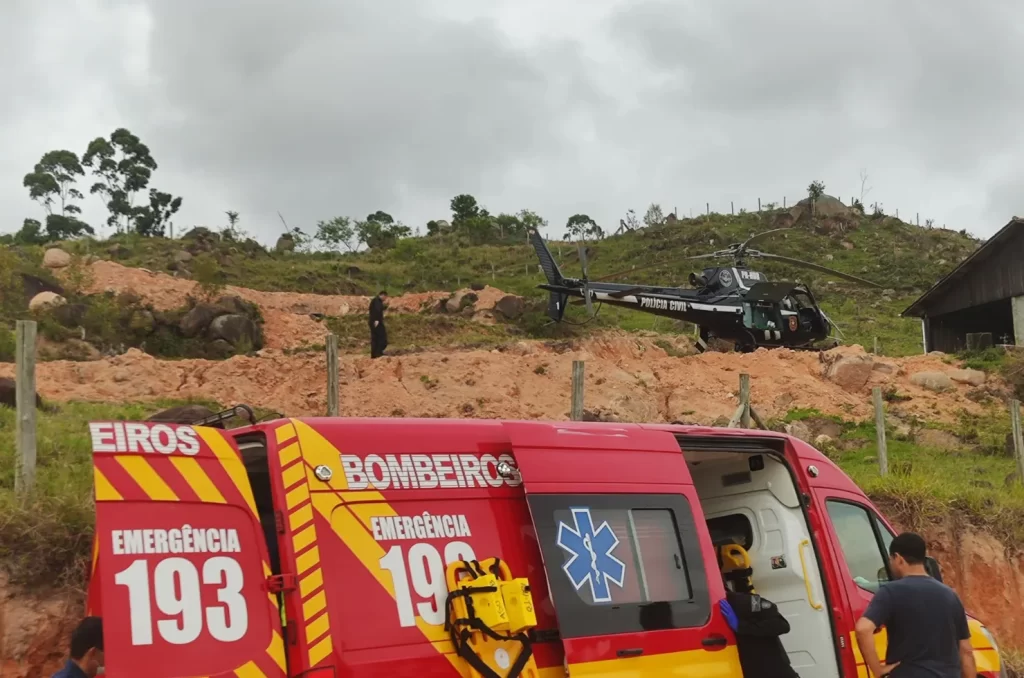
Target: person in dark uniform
x,y
925,621
378,333
86,658
757,623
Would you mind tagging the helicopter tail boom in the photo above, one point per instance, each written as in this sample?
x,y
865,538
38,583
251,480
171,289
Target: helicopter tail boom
x,y
557,299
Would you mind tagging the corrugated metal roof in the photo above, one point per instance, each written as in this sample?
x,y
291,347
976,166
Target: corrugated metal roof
x,y
918,308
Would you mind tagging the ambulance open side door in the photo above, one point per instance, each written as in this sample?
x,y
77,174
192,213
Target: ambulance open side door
x,y
627,555
180,564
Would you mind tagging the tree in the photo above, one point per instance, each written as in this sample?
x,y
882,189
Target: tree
x,y
53,178
31,233
124,166
464,207
152,219
814,192
335,233
580,226
654,216
380,217
232,222
864,188
377,235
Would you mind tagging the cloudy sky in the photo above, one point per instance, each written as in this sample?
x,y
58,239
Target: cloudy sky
x,y
318,108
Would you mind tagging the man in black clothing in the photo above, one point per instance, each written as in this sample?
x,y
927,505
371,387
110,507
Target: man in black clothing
x,y
925,621
378,333
758,624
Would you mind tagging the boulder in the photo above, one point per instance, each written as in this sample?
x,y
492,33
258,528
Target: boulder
x,y
972,377
849,371
941,440
232,304
143,321
185,414
8,394
933,381
56,258
45,299
800,430
69,315
182,257
822,441
32,286
510,306
286,243
236,329
197,320
460,300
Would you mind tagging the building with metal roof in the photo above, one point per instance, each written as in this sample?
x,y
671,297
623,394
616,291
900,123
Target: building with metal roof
x,y
985,293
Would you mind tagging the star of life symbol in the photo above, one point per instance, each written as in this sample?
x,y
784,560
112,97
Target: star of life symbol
x,y
591,550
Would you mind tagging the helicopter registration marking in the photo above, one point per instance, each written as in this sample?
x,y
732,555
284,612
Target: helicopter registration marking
x,y
662,304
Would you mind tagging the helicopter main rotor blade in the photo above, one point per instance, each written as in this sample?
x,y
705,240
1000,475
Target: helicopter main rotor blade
x,y
817,267
758,236
713,255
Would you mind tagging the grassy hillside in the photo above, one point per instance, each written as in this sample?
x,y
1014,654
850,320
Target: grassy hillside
x,y
903,258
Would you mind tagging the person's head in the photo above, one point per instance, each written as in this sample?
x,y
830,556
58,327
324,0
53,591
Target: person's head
x,y
87,645
906,554
383,294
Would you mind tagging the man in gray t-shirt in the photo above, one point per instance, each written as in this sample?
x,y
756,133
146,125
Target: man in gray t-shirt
x,y
924,619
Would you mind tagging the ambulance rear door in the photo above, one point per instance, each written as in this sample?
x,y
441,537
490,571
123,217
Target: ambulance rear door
x,y
180,563
626,551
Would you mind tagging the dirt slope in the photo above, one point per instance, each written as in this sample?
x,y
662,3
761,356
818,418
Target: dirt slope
x,y
628,377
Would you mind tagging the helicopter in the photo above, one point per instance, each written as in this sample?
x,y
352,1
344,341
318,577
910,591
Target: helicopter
x,y
730,302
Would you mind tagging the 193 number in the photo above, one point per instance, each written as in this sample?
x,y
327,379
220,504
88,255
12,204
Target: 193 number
x,y
426,570
175,586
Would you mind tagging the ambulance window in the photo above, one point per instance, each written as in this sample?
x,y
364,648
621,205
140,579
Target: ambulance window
x,y
622,563
735,527
862,549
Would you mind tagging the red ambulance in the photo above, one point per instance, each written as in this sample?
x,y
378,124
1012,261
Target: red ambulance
x,y
373,548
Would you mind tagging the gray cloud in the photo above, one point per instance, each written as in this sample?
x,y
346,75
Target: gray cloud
x,y
345,107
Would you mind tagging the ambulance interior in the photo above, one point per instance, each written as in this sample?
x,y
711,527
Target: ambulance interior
x,y
750,499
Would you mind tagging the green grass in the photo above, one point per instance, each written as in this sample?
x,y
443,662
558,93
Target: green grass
x,y
903,258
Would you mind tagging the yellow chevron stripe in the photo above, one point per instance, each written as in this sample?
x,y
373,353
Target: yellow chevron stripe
x,y
320,650
316,629
196,477
105,491
284,433
311,582
307,560
231,462
300,517
250,670
95,554
148,479
296,496
276,650
293,474
314,605
288,454
303,538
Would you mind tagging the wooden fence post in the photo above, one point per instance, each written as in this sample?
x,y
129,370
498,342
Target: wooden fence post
x,y
333,406
25,402
1018,439
745,399
883,450
576,409
876,345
